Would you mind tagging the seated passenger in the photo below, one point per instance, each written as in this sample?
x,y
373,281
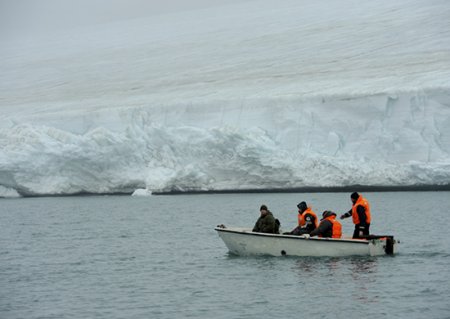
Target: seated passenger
x,y
329,227
266,223
307,220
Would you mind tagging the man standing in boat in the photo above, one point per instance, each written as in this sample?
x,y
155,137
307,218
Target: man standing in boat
x,y
266,223
307,220
360,213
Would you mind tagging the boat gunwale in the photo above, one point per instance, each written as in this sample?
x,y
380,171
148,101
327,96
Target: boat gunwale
x,y
294,237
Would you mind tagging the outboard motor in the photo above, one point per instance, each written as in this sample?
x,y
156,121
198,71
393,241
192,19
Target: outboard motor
x,y
390,242
389,249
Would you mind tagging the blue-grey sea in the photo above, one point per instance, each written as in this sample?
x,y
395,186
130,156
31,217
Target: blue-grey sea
x,y
159,257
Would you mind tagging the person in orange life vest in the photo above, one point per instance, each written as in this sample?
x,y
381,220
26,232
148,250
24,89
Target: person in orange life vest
x,y
360,213
329,227
307,220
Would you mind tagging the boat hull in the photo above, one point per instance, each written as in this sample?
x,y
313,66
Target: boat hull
x,y
244,242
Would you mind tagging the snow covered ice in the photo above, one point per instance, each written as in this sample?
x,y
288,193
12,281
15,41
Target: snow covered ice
x,y
234,95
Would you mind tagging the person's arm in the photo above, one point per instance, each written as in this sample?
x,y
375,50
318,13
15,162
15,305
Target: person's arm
x,y
315,232
347,214
323,226
256,227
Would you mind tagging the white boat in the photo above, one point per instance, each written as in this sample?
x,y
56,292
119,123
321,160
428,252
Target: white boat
x,y
243,242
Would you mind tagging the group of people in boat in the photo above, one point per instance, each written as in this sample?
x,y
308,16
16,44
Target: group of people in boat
x,y
328,226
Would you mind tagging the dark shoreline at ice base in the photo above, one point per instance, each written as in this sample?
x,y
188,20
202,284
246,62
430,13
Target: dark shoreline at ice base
x,y
317,189
304,189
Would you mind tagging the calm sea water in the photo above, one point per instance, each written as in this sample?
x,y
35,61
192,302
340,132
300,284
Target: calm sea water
x,y
159,257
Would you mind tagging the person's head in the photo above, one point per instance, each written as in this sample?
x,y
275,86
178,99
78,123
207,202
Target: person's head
x,y
328,213
263,209
302,207
354,197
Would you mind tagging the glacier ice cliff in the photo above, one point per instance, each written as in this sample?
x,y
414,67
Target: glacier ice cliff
x,y
246,95
377,140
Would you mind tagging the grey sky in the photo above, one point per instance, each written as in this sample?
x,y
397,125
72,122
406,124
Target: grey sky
x,y
27,15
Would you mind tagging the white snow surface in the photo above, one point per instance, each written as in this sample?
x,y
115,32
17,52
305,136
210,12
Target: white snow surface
x,y
243,95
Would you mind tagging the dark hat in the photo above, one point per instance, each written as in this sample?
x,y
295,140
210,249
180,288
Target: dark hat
x,y
354,195
263,207
328,213
302,206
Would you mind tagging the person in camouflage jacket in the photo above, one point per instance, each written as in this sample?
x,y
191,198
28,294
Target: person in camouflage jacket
x,y
266,223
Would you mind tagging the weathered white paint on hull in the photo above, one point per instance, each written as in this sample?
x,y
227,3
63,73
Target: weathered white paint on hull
x,y
244,242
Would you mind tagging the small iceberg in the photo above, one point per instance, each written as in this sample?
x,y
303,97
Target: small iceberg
x,y
142,192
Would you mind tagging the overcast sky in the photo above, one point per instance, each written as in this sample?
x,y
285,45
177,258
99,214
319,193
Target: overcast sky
x,y
27,15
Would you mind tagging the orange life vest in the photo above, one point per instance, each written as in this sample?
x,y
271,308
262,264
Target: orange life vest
x,y
361,201
337,227
336,231
301,217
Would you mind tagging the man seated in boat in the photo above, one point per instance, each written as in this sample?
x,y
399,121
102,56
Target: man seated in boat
x,y
307,220
266,223
329,227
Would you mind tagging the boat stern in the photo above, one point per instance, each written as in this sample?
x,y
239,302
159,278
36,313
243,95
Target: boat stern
x,y
382,245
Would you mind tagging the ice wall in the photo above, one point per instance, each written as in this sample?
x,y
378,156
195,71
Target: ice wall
x,y
377,140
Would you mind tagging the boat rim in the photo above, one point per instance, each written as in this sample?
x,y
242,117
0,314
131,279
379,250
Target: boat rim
x,y
293,237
